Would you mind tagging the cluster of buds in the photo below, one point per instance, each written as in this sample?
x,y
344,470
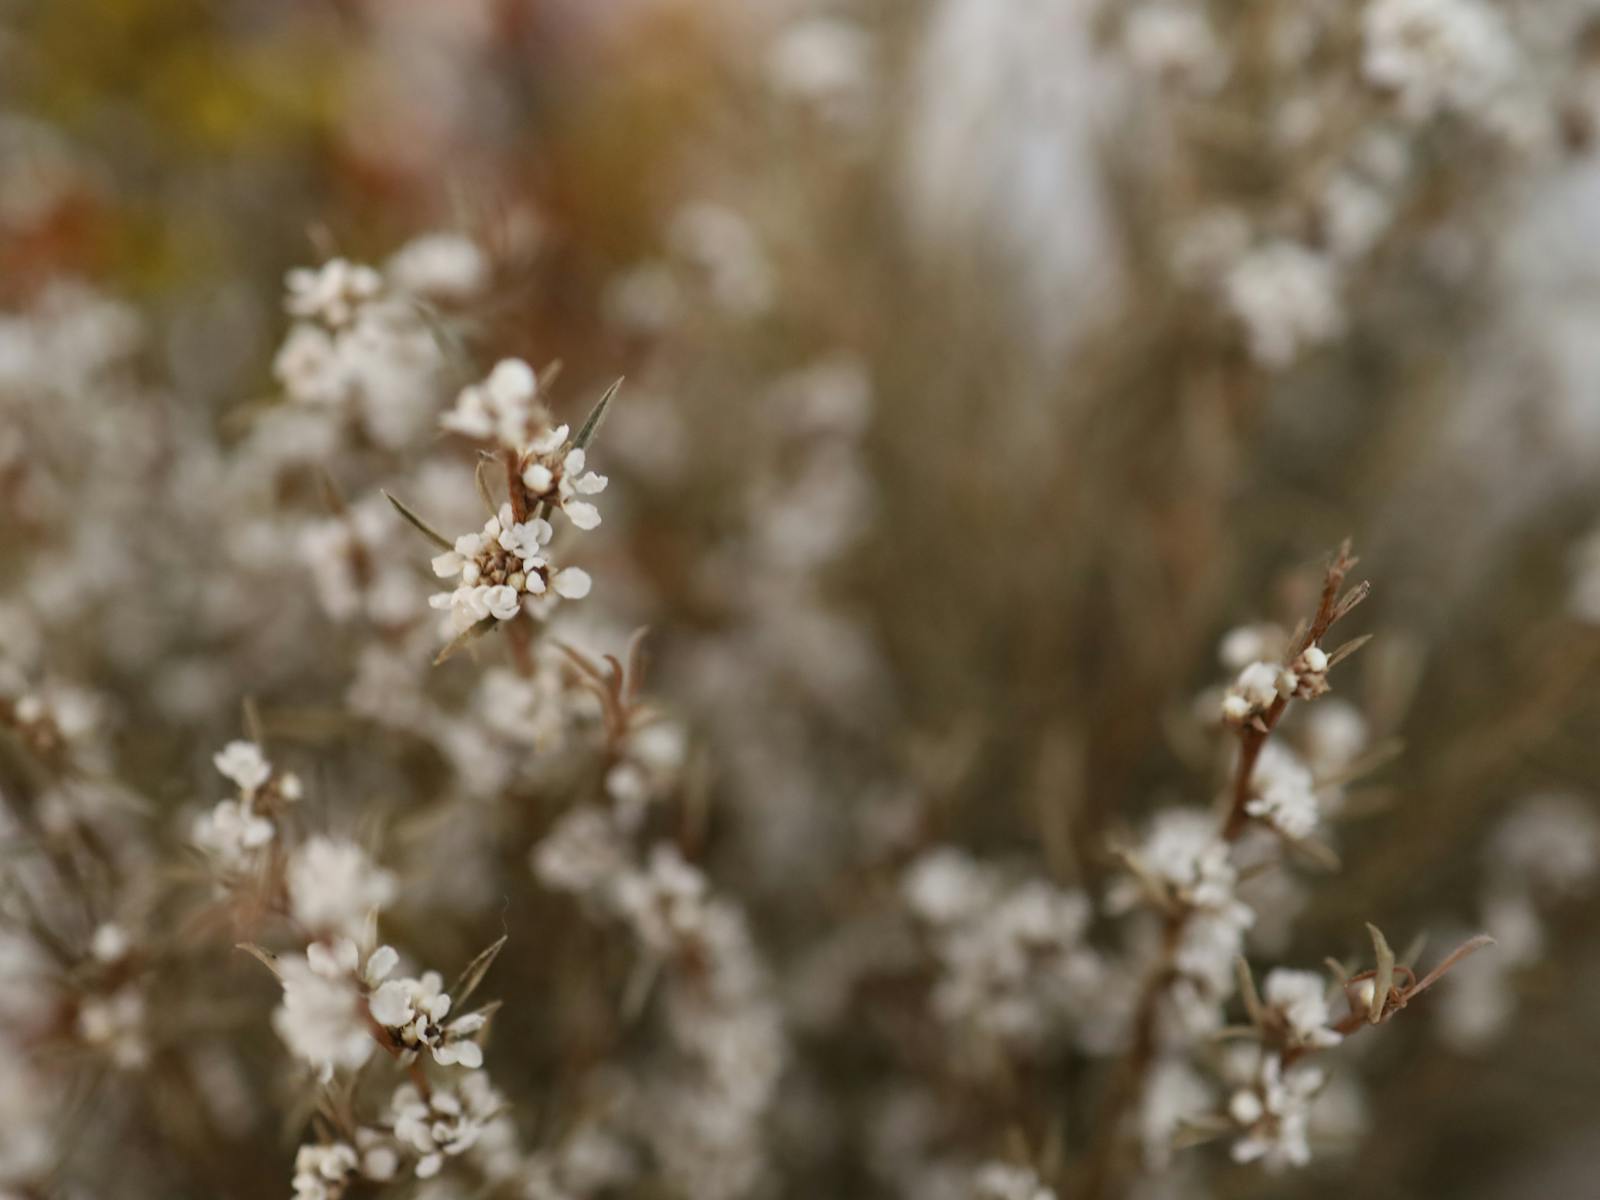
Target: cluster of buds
x,y
1262,686
500,566
233,831
553,471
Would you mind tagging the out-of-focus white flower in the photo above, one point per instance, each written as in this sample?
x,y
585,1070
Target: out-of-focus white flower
x,y
1283,792
825,62
665,901
1438,55
332,293
231,833
110,943
1173,1095
310,367
243,763
1551,842
441,266
1300,1001
1287,299
1174,42
323,1171
582,854
1274,1112
449,1122
722,245
322,1018
1003,1181
505,407
115,1025
333,886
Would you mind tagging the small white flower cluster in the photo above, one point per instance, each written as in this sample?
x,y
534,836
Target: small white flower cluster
x,y
1191,869
1297,1004
322,1017
353,569
1273,1111
1013,961
1438,56
1545,853
1175,43
557,476
1262,684
413,1011
360,346
446,1123
1283,792
115,1024
703,1115
504,408
334,888
233,833
1004,1181
498,567
326,1171
1286,297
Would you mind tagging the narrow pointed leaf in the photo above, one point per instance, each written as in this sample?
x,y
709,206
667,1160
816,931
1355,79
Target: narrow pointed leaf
x,y
1383,978
475,970
422,527
591,425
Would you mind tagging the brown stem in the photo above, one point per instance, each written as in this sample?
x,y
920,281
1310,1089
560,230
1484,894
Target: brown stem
x,y
1128,1090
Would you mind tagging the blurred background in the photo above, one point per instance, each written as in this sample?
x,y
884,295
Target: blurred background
x,y
986,362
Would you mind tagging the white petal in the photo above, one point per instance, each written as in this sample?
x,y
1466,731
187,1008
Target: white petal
x,y
383,960
582,514
591,484
538,478
572,583
447,564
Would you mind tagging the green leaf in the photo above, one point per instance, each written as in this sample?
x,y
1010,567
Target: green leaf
x,y
427,531
591,426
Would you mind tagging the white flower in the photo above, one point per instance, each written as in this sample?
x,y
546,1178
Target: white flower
x,y
324,1171
321,1018
243,763
665,902
451,1121
1284,793
558,477
582,853
1437,55
1286,297
333,886
332,293
1275,1111
1300,1000
310,367
1002,1181
444,266
231,833
110,943
497,567
414,1011
504,407
115,1024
